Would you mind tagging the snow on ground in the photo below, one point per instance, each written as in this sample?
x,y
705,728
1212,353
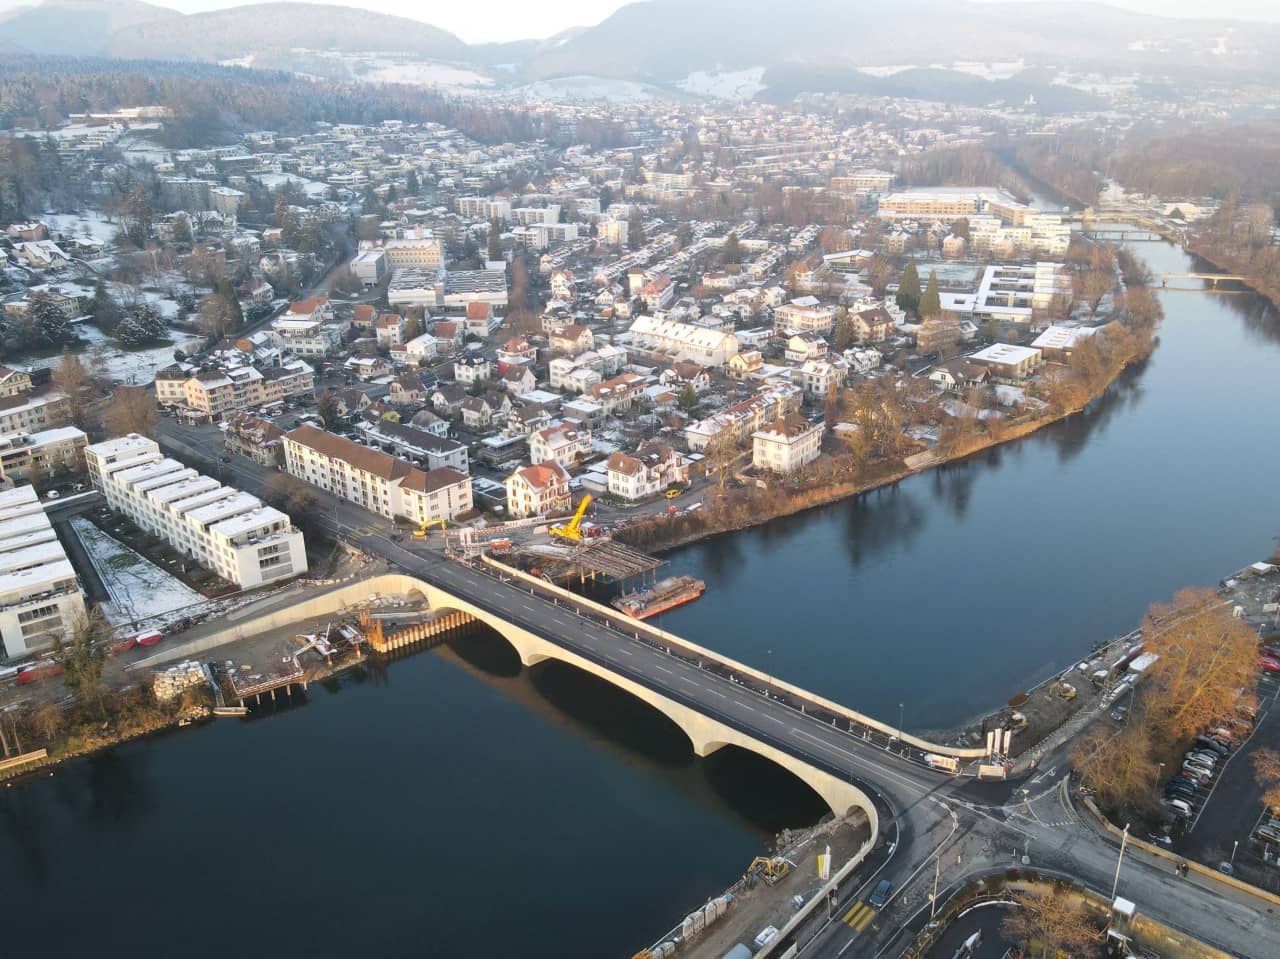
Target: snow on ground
x,y
588,88
730,85
123,366
273,181
997,70
143,150
137,586
424,74
886,71
89,223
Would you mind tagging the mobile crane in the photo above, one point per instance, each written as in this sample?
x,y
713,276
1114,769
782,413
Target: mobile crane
x,y
572,530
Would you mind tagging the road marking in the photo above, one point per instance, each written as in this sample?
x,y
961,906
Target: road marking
x,y
691,682
664,669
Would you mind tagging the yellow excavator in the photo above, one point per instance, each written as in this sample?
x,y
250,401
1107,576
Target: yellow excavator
x,y
771,869
421,531
572,530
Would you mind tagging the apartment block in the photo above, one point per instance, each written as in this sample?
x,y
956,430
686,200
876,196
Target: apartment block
x,y
374,480
227,531
41,452
39,596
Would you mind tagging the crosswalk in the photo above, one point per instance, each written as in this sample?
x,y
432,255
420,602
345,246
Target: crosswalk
x,y
859,917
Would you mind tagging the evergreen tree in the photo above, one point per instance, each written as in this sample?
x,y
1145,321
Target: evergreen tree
x,y
930,302
845,333
495,240
606,197
909,288
635,231
104,309
227,293
688,399
45,319
411,185
130,333
732,252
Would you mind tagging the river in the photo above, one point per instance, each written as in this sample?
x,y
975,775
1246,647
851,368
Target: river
x,y
453,804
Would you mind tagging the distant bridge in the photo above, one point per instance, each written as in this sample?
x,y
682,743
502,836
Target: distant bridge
x,y
1212,278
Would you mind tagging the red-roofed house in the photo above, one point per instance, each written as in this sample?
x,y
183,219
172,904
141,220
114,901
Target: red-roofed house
x,y
537,490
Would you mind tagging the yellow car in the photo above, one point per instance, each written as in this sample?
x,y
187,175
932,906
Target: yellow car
x,y
673,493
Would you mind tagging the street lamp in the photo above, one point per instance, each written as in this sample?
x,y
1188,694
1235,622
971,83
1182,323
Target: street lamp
x,y
1157,779
899,723
1234,846
1123,840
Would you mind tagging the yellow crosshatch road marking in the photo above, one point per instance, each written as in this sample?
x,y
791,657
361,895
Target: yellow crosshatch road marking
x,y
859,916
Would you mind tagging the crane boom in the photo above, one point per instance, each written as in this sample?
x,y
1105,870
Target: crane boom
x,y
573,529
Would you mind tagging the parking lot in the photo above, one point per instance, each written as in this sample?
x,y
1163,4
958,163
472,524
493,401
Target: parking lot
x,y
1227,813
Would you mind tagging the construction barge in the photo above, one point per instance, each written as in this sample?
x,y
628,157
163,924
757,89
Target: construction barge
x,y
661,596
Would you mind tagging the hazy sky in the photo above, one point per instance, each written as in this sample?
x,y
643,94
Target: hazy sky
x,y
519,19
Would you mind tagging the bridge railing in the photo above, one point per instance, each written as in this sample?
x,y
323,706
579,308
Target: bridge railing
x,y
810,703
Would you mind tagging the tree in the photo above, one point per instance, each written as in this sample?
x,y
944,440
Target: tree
x,y
688,400
635,231
81,658
141,325
732,251
329,409
137,220
1266,770
132,409
291,495
960,228
721,453
606,197
46,321
411,185
835,239
909,288
930,302
1095,286
1206,657
1119,768
879,273
72,379
1052,924
494,251
845,334
104,309
220,314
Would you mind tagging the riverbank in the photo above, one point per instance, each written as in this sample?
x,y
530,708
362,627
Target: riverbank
x,y
1241,267
743,509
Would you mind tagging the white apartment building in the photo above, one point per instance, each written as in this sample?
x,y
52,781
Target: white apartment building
x,y
307,337
786,445
39,596
805,315
230,532
537,490
43,452
371,479
683,341
563,443
214,391
947,204
32,412
415,248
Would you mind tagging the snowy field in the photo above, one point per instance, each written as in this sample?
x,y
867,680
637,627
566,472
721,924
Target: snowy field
x,y
730,85
273,181
586,88
137,586
124,366
91,224
423,74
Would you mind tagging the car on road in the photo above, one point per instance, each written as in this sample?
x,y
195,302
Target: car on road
x,y
881,894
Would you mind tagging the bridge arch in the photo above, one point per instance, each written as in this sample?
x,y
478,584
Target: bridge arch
x,y
706,734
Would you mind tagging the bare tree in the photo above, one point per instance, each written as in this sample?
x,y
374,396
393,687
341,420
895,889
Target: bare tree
x,y
132,409
1051,924
1266,770
72,379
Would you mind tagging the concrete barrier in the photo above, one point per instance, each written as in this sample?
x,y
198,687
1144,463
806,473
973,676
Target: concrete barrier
x,y
1192,865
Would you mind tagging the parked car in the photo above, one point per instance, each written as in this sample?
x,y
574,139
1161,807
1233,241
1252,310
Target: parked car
x,y
1269,665
1179,806
1208,742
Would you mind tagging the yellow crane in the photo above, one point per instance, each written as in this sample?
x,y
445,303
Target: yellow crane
x,y
421,531
573,529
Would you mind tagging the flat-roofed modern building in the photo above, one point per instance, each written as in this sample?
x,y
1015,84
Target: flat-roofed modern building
x,y
39,596
43,452
230,532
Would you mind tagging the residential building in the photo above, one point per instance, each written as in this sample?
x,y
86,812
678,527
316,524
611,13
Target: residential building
x,y
213,391
805,315
683,341
736,423
786,445
389,330
651,469
563,443
819,377
420,446
538,490
617,394
32,412
227,531
1009,361
372,479
946,204
414,248
471,369
22,454
13,382
369,266
254,438
873,326
40,599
